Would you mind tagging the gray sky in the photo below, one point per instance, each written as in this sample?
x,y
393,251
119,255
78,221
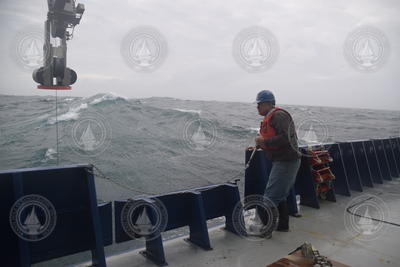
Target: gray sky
x,y
310,68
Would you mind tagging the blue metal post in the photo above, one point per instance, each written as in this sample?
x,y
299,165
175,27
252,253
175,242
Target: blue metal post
x,y
373,162
337,166
98,256
155,250
362,163
396,152
232,198
198,224
24,249
351,167
382,159
394,172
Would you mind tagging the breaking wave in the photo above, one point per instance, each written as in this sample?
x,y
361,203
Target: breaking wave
x,y
188,110
107,97
71,114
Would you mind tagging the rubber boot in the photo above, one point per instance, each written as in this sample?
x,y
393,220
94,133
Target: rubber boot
x,y
283,222
265,219
262,214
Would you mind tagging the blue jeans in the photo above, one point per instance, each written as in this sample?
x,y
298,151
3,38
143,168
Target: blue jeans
x,y
281,180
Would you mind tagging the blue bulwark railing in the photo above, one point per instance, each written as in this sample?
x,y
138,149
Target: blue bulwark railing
x,y
355,164
373,162
362,163
394,142
51,212
184,208
351,166
394,171
341,183
382,159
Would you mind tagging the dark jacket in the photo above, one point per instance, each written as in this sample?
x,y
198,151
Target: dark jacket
x,y
285,139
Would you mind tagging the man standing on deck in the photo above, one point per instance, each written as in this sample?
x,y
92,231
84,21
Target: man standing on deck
x,y
278,139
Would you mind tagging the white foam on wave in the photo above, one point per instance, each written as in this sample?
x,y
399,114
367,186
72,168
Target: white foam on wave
x,y
188,110
50,154
71,114
107,97
253,129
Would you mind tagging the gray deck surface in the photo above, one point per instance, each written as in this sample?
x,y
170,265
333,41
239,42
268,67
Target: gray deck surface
x,y
324,228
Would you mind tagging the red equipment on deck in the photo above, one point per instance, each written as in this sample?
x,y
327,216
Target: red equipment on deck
x,y
322,174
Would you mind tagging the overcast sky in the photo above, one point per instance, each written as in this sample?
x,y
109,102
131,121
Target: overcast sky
x,y
310,68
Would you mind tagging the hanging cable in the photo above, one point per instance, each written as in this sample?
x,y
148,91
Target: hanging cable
x,y
100,174
235,179
57,139
97,173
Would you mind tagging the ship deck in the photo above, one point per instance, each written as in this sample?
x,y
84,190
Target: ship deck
x,y
324,228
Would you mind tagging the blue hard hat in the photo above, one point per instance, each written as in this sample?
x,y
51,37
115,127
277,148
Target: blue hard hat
x,y
264,96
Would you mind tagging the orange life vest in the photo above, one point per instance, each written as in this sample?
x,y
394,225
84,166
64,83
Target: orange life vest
x,y
266,129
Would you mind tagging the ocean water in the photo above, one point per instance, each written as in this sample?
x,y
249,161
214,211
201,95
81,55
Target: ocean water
x,y
158,145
